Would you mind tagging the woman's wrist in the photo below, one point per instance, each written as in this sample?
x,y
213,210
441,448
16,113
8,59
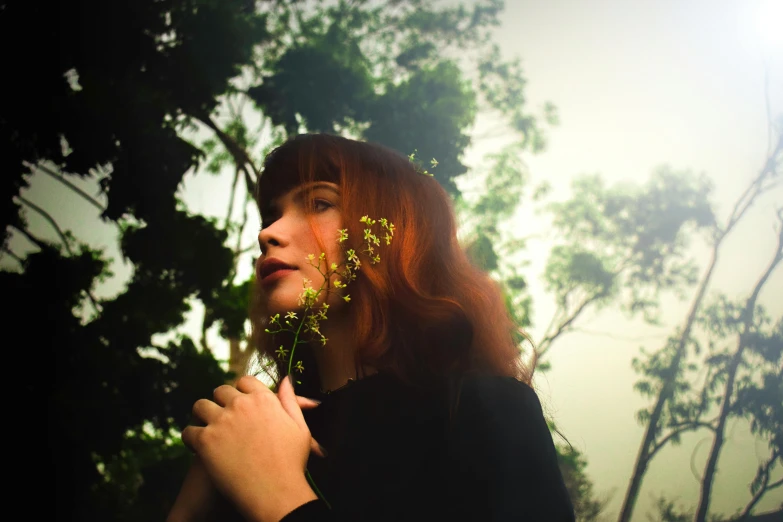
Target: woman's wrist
x,y
285,501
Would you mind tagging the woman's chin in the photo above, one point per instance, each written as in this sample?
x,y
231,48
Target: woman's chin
x,y
284,308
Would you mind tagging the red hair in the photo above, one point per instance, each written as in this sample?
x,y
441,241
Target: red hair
x,y
424,313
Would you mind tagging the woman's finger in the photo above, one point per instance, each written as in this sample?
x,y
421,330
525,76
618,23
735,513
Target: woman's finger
x,y
250,384
306,403
223,394
316,448
290,404
190,437
206,411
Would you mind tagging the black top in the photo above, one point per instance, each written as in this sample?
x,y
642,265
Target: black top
x,y
396,454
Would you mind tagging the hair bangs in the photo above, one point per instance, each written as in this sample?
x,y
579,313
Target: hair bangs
x,y
299,161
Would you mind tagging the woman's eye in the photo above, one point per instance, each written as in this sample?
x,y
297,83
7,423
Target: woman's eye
x,y
319,205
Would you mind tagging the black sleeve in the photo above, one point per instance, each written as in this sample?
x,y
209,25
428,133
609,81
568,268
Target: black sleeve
x,y
502,464
313,511
503,456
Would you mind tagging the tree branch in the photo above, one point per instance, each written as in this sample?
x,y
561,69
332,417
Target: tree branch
x,y
731,372
12,254
775,485
765,486
610,335
203,342
755,188
231,198
667,390
40,243
246,250
768,110
51,221
242,226
547,341
682,428
61,179
240,155
63,238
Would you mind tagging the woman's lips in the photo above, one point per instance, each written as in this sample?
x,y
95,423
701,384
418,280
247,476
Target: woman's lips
x,y
276,275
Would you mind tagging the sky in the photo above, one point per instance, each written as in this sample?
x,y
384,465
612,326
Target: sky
x,y
637,84
640,84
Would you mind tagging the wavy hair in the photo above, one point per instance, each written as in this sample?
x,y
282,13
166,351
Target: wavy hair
x,y
424,313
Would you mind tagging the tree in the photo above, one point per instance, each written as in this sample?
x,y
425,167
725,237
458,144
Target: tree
x,y
622,246
125,93
674,355
107,105
573,467
759,391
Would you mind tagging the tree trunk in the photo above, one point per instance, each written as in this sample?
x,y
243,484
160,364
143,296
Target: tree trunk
x,y
717,443
643,458
744,202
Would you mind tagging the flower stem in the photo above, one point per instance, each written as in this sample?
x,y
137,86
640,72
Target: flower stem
x,y
317,491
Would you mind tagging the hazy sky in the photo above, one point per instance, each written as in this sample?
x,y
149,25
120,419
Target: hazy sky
x,y
638,84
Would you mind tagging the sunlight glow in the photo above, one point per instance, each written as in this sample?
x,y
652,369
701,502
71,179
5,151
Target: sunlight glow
x,y
769,24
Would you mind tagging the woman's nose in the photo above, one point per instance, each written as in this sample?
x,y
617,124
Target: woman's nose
x,y
273,235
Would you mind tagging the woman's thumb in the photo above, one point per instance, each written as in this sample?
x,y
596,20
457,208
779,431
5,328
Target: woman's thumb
x,y
289,402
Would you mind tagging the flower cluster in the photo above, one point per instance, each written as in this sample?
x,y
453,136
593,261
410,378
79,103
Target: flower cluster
x,y
314,308
433,163
336,277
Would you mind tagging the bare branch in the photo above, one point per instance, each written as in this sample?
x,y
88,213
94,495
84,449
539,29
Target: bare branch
x,y
610,335
231,197
775,484
547,341
40,243
240,155
246,250
242,226
754,189
51,221
238,247
499,131
764,487
203,341
59,177
768,108
731,372
667,390
13,255
683,428
63,238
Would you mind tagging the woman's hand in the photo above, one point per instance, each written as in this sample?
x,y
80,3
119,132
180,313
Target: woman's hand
x,y
255,447
197,497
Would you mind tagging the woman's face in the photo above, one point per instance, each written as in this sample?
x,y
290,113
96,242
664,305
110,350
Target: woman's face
x,y
287,239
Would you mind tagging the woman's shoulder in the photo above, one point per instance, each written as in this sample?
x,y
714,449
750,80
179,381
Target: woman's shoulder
x,y
501,448
494,391
497,404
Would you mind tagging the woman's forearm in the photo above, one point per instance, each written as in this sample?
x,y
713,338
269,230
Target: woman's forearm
x,y
197,499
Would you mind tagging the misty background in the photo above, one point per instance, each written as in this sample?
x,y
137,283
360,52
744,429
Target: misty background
x,y
692,85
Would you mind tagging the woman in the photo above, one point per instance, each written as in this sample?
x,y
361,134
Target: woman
x,y
425,412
